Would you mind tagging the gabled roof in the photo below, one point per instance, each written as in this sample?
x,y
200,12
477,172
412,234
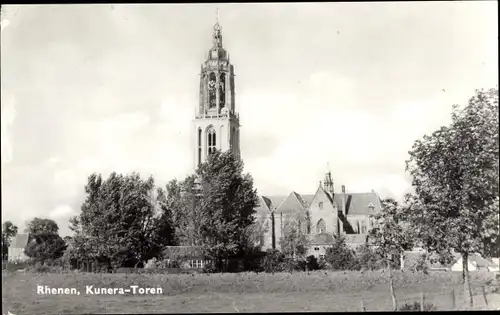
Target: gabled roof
x,y
358,203
292,203
20,241
263,206
308,199
275,201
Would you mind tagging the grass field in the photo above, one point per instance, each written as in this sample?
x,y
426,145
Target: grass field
x,y
243,292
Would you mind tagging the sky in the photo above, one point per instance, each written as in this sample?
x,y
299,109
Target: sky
x,y
347,87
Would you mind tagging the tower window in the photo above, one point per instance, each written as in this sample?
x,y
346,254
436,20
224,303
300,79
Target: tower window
x,y
320,205
321,226
222,90
212,90
211,140
199,146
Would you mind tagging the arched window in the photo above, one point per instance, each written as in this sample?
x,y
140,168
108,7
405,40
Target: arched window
x,y
211,140
199,146
212,90
321,226
320,205
222,90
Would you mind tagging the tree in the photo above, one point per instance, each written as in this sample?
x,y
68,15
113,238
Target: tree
x,y
390,237
9,230
339,256
44,242
294,242
183,204
123,222
455,176
227,202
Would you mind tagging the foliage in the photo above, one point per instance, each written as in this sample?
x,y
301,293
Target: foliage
x,y
339,256
415,307
391,234
272,261
312,263
368,258
228,202
455,176
9,230
39,225
294,242
45,244
123,222
455,173
182,202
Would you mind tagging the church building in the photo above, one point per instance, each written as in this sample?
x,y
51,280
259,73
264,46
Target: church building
x,y
322,215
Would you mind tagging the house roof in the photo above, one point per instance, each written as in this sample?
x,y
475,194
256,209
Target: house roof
x,y
481,261
411,258
20,241
321,239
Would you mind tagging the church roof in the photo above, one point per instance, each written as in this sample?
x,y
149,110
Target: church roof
x,y
275,201
264,205
356,203
292,203
359,203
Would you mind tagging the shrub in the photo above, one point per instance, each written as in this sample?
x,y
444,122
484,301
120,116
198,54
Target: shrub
x,y
272,261
340,256
312,263
415,307
368,258
422,264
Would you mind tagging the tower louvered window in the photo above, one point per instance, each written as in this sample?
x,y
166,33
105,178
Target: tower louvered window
x,y
212,140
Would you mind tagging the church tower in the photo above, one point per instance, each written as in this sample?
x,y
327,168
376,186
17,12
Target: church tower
x,y
216,121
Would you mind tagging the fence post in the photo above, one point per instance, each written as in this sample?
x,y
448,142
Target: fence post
x,y
363,306
421,301
484,296
453,299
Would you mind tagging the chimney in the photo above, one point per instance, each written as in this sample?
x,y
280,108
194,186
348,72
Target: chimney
x,y
344,200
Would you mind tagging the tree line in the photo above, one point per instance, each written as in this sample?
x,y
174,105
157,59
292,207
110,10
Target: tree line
x,y
454,206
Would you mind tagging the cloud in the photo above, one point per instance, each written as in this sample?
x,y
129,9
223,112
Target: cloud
x,y
62,212
8,117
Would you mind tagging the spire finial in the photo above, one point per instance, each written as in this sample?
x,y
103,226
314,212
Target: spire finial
x,y
217,15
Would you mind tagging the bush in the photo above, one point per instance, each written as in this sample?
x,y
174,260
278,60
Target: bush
x,y
340,256
312,263
415,307
368,258
273,261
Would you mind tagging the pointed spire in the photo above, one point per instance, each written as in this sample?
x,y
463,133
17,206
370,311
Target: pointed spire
x,y
217,37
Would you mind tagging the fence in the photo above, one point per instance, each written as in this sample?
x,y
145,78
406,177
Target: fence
x,y
452,299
